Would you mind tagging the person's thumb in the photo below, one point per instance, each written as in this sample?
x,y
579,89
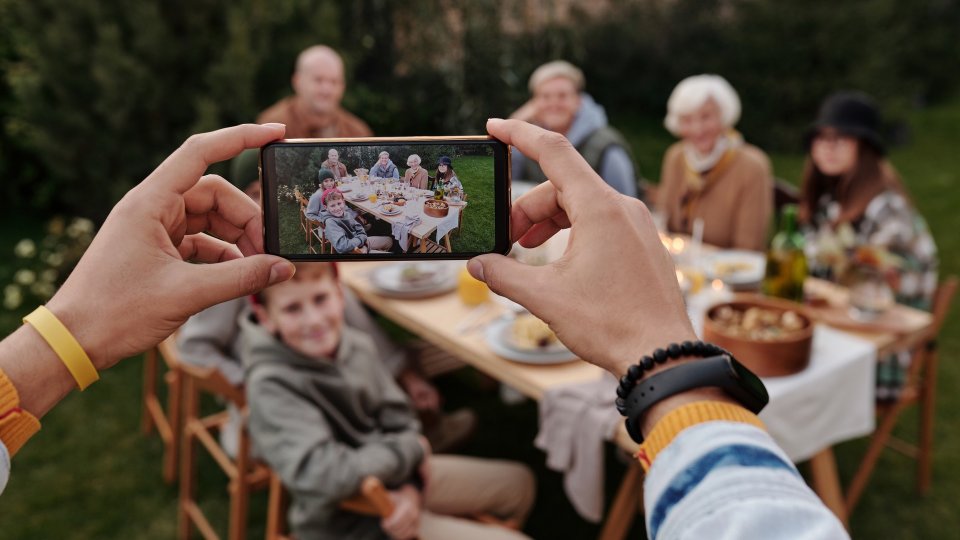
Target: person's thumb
x,y
227,280
508,277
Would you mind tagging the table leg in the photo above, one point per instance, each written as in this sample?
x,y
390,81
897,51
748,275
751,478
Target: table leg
x,y
826,482
624,507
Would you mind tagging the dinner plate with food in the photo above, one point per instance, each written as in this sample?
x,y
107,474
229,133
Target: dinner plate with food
x,y
390,209
528,340
737,267
414,279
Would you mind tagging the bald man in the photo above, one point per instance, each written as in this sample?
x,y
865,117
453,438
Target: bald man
x,y
314,109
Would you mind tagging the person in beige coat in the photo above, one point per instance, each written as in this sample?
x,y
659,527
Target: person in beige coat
x,y
711,173
416,175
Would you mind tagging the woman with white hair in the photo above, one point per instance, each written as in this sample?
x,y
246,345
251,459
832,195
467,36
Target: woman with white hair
x,y
416,175
560,104
711,173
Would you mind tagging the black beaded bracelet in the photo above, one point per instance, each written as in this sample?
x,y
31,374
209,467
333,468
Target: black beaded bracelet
x,y
673,351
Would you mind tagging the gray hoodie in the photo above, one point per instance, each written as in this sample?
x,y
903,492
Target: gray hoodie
x,y
344,233
616,167
323,425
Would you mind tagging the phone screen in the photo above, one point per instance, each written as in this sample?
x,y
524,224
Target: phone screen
x,y
422,198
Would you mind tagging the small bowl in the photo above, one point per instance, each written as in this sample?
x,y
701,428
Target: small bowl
x,y
767,358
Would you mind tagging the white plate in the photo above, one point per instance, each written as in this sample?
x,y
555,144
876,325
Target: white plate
x,y
498,336
345,189
396,211
358,199
755,264
387,280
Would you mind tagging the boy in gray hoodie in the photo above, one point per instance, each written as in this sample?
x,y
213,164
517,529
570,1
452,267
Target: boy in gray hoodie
x,y
325,413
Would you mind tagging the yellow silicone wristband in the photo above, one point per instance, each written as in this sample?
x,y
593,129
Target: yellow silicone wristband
x,y
64,344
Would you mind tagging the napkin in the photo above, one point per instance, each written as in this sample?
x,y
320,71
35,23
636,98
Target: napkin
x,y
575,420
401,230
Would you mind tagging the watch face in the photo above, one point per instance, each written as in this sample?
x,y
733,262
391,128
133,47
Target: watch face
x,y
748,380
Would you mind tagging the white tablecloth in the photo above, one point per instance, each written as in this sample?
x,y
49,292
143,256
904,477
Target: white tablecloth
x,y
830,401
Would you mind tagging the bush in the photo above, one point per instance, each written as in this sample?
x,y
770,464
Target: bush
x,y
97,92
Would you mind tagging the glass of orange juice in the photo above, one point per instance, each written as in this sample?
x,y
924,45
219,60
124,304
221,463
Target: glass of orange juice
x,y
373,197
472,291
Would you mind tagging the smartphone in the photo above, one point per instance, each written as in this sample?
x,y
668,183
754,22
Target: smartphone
x,y
386,198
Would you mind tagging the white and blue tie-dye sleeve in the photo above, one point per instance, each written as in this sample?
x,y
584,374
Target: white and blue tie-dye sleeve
x,y
728,480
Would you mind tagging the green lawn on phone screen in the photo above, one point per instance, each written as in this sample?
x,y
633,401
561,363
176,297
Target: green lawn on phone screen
x,y
477,233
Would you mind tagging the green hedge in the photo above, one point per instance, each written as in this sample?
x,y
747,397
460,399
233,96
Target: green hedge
x,y
97,92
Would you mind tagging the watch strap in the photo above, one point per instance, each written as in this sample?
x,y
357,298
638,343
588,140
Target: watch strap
x,y
691,414
717,371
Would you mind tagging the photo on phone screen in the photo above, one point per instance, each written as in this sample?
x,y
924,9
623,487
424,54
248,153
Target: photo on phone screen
x,y
418,198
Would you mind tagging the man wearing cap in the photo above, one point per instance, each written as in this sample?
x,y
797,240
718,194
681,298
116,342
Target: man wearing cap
x,y
560,104
314,109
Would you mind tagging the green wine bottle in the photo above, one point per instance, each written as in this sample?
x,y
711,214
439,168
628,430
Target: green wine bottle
x,y
786,261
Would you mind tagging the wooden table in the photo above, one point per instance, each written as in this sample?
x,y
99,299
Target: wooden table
x,y
436,319
414,206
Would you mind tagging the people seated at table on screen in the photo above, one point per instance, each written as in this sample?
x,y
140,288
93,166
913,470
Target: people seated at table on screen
x,y
559,103
325,414
344,231
859,219
333,163
325,180
446,178
416,176
384,167
711,174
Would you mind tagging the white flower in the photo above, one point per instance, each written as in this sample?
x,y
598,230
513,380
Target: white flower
x,y
12,297
25,277
84,225
53,259
42,289
25,249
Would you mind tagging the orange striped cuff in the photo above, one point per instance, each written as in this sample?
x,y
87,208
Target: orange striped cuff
x,y
16,424
691,414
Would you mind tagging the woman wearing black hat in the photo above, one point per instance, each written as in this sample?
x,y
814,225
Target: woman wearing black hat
x,y
860,220
446,177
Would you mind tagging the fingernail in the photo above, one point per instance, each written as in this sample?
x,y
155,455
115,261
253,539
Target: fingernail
x,y
274,125
494,120
281,271
475,269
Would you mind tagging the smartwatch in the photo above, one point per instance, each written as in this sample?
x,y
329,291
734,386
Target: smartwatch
x,y
719,371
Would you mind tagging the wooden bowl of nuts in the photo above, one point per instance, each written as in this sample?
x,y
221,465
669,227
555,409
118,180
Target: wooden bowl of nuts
x,y
771,337
435,208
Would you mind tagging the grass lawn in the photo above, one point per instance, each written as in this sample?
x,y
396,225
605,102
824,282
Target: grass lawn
x,y
90,474
475,235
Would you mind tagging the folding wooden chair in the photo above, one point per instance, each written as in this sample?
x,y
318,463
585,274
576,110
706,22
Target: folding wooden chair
x,y
166,422
372,500
244,473
303,216
920,386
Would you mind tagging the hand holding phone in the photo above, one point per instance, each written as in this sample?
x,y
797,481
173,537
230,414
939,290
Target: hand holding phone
x,y
375,198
